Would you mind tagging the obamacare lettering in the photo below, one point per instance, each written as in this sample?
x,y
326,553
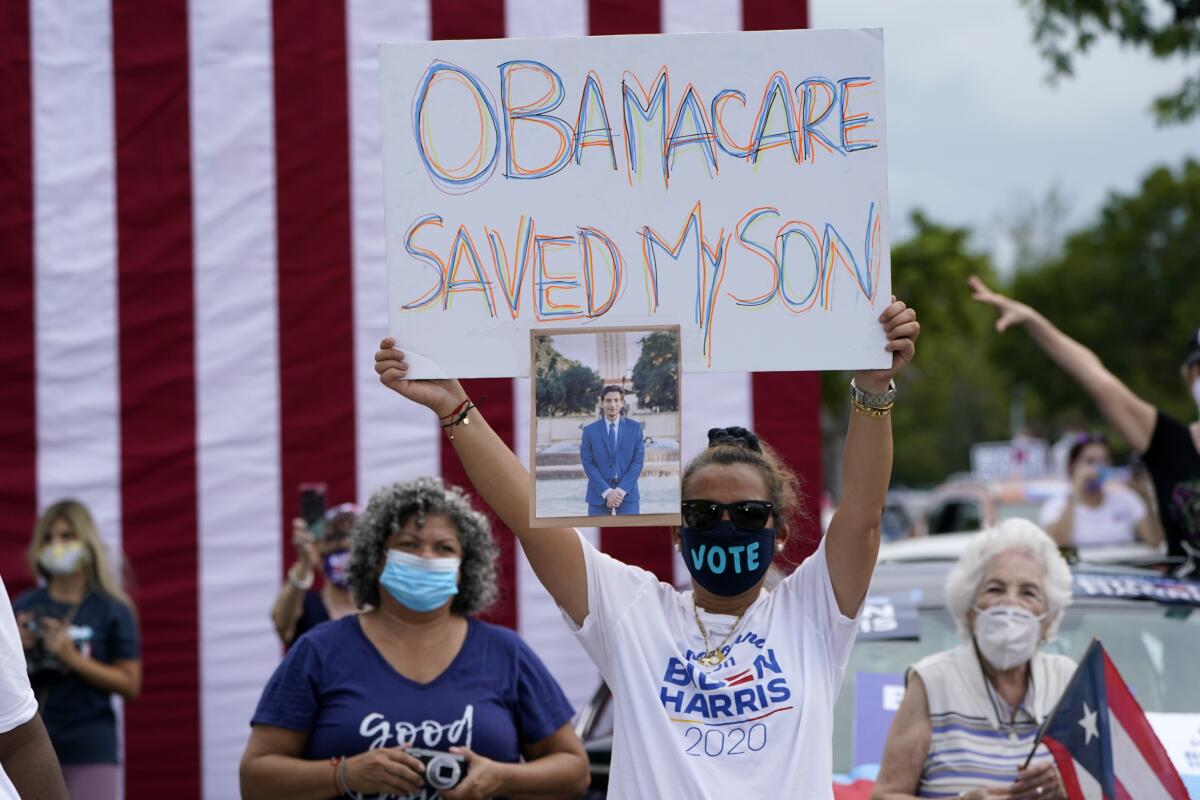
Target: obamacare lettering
x,y
734,184
808,117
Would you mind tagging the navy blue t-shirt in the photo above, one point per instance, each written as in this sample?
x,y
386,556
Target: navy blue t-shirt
x,y
495,695
312,613
78,716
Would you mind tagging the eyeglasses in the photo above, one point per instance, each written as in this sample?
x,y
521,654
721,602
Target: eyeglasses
x,y
747,515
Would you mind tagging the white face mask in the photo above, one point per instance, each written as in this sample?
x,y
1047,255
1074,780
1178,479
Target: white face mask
x,y
1007,636
62,559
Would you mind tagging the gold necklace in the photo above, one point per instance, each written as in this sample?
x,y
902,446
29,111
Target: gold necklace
x,y
712,656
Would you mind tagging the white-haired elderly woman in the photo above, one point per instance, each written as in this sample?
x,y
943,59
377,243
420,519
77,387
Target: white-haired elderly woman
x,y
970,714
355,696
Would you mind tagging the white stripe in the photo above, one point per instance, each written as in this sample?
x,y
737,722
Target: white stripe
x,y
237,371
539,620
78,401
1130,768
397,440
711,401
1088,786
545,18
701,16
75,252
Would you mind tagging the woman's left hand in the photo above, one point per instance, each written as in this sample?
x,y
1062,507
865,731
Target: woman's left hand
x,y
484,778
1038,783
901,328
56,638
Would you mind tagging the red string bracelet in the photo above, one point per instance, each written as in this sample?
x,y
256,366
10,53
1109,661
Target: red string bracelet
x,y
336,762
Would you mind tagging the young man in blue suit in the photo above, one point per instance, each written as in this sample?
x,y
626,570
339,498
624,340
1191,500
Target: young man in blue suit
x,y
612,454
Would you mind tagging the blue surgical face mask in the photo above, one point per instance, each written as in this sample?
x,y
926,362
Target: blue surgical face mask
x,y
337,564
421,584
727,560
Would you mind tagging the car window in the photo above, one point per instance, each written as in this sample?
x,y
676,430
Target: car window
x,y
1155,648
954,516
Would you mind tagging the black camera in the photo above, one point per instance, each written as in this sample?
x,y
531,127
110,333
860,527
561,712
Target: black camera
x,y
442,770
39,660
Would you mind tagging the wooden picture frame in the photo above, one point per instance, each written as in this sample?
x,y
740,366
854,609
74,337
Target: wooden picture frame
x,y
559,442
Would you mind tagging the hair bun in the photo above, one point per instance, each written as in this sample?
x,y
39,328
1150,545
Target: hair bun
x,y
734,437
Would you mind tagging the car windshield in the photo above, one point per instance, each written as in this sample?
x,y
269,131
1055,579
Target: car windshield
x,y
1155,648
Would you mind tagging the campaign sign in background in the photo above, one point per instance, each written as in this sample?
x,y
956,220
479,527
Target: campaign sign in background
x,y
734,184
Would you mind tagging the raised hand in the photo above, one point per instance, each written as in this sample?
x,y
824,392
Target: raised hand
x,y
1011,311
443,396
902,329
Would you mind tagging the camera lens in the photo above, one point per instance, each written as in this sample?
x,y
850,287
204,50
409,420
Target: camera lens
x,y
443,772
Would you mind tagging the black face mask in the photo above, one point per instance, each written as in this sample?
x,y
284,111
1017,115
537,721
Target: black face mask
x,y
725,559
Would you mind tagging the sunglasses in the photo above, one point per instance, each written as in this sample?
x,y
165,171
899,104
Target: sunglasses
x,y
747,515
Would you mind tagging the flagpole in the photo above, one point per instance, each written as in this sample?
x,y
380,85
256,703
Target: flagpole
x,y
1054,711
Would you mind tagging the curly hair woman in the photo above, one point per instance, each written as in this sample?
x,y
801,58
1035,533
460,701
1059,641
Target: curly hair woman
x,y
358,699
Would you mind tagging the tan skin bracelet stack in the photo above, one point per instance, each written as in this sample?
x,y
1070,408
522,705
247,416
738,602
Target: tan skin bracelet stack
x,y
876,406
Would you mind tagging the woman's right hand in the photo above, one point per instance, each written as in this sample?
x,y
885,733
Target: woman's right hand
x,y
1011,311
442,396
388,770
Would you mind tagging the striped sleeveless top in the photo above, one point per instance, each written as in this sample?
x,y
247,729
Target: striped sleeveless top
x,y
977,742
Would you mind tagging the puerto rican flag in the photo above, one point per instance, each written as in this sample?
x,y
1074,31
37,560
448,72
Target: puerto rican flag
x,y
1102,742
191,292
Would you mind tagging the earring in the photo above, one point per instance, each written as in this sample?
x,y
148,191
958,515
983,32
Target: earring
x,y
678,549
779,547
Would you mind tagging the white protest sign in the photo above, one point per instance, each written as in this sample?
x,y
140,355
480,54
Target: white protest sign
x,y
734,184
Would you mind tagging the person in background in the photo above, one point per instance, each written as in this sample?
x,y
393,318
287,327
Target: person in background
x,y
30,769
299,607
1169,448
1096,510
970,715
352,697
79,633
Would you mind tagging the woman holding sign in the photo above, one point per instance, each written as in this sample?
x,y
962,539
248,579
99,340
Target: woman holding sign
x,y
726,690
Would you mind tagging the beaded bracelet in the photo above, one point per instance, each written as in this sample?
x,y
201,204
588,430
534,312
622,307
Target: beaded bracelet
x,y
871,411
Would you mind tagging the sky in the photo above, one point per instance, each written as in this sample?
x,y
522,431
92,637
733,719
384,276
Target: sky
x,y
975,132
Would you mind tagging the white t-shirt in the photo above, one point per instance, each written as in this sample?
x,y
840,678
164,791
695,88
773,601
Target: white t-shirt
x,y
1112,522
759,725
17,704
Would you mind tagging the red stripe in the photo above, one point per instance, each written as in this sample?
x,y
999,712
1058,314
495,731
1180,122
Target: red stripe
x,y
158,413
316,310
18,420
787,414
1066,768
481,19
1129,713
466,19
609,17
770,15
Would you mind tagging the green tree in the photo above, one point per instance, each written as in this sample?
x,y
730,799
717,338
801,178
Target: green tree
x,y
1127,286
581,388
951,396
1063,29
550,394
656,373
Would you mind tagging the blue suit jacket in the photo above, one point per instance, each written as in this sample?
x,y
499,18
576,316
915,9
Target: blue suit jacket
x,y
601,464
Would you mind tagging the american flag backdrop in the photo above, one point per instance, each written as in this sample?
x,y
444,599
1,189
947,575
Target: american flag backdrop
x,y
191,291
